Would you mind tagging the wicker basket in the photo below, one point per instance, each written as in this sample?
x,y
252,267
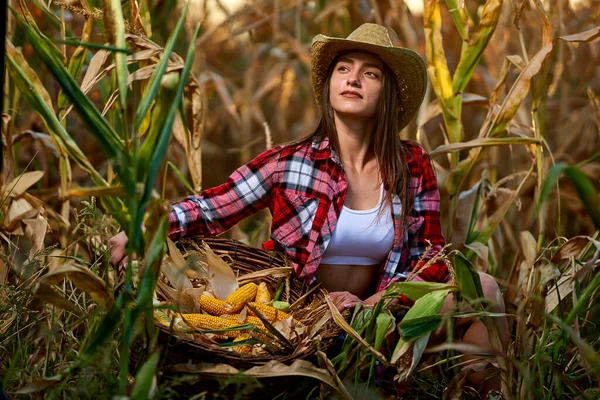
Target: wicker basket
x,y
306,308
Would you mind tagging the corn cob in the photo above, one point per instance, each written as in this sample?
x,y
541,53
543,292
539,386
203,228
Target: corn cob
x,y
205,321
212,305
242,349
238,299
249,320
262,294
270,313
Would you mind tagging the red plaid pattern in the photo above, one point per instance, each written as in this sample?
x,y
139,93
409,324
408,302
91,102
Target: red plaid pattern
x,y
304,187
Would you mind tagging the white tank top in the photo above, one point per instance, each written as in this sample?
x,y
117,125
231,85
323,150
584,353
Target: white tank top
x,y
360,237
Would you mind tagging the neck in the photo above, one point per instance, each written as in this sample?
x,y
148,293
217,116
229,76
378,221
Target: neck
x,y
355,138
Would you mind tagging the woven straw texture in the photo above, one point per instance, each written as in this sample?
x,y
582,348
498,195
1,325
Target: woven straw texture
x,y
244,259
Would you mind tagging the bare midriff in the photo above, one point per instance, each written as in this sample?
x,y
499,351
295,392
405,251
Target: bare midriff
x,y
360,280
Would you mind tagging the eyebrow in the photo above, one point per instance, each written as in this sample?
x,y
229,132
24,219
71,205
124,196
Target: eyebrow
x,y
368,64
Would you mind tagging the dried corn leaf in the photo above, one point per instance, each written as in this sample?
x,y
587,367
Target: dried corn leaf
x,y
44,292
272,369
175,274
221,278
35,230
279,272
84,279
184,301
21,183
573,247
19,209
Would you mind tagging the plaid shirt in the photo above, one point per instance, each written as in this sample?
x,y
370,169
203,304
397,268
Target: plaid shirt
x,y
304,186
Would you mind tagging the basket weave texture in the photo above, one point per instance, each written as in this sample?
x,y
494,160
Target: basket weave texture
x,y
308,306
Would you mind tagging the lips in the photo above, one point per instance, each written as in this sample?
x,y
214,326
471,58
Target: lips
x,y
351,93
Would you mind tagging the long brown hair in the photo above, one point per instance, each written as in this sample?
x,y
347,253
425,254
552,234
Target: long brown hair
x,y
387,144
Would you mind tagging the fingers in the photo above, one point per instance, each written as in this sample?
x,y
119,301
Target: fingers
x,y
344,300
117,251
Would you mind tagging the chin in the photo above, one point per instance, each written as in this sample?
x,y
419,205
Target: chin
x,y
355,114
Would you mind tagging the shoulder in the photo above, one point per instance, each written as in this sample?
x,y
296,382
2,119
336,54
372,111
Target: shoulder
x,y
301,149
416,155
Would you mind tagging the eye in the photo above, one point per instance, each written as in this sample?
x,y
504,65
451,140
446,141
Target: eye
x,y
372,74
342,68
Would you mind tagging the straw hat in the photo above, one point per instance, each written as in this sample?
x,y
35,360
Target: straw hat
x,y
408,67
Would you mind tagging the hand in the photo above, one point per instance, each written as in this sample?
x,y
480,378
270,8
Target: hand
x,y
118,254
343,300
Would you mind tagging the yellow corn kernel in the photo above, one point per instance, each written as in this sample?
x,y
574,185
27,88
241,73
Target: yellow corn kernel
x,y
238,299
262,294
212,305
270,313
242,349
205,321
249,320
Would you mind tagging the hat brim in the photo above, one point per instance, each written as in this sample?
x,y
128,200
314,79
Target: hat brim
x,y
408,68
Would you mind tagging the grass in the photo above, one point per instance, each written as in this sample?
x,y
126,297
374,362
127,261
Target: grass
x,y
503,94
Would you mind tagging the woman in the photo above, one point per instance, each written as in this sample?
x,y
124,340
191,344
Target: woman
x,y
353,206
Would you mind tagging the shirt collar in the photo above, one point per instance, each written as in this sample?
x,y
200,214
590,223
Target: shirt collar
x,y
322,149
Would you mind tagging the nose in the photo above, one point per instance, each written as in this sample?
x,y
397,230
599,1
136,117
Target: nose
x,y
353,80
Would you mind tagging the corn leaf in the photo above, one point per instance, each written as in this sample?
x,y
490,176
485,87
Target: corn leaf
x,y
414,328
145,379
155,79
84,279
115,30
165,134
35,93
483,142
76,61
467,278
459,16
520,88
471,54
585,189
97,125
585,349
414,290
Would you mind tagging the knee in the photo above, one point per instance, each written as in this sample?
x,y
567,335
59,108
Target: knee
x,y
491,291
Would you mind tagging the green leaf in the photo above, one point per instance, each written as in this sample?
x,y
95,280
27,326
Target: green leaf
x,y
416,327
585,349
106,331
115,30
459,16
145,379
587,193
161,67
97,125
88,45
467,278
281,305
76,62
584,187
165,132
414,290
471,54
429,304
383,322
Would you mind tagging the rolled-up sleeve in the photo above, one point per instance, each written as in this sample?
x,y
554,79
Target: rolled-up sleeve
x,y
218,209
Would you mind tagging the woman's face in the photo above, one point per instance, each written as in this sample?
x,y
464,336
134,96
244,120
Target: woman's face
x,y
355,85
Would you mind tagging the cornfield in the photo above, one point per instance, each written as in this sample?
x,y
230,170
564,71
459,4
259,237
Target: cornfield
x,y
113,109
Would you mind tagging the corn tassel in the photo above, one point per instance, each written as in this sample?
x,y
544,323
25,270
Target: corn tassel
x,y
238,299
212,305
262,294
270,313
